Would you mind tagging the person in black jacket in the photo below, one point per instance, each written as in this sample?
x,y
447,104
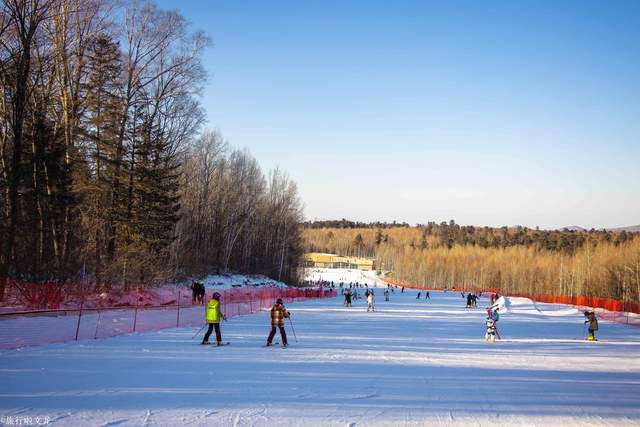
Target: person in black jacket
x,y
593,324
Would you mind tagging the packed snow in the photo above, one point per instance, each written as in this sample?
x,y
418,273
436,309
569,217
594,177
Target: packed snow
x,y
410,363
346,276
228,281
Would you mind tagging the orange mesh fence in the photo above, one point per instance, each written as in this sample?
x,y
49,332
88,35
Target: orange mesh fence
x,y
609,309
46,315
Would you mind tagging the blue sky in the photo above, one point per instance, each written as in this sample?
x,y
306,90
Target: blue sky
x,y
489,113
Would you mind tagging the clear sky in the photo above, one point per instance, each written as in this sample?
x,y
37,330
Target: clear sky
x,y
488,113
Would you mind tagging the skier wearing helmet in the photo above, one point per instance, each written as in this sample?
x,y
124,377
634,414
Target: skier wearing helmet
x,y
213,316
278,314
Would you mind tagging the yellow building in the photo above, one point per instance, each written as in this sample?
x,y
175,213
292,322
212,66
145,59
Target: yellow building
x,y
320,260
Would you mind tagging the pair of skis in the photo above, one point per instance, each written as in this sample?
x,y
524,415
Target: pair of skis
x,y
216,344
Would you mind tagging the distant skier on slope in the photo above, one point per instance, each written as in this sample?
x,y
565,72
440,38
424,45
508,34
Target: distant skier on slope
x,y
419,293
490,335
213,316
370,299
494,314
427,296
593,324
347,297
386,294
278,314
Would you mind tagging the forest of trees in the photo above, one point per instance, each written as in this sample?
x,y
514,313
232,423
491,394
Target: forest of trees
x,y
513,259
105,172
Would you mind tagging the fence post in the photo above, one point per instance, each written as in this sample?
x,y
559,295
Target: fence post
x,y
82,290
178,317
95,336
225,298
135,315
79,316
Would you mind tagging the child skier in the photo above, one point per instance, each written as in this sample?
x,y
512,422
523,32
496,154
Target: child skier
x,y
370,299
213,316
278,314
491,329
593,324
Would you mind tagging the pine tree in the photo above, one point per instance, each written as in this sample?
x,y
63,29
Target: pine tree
x,y
103,102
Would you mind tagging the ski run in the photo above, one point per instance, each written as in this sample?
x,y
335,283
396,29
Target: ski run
x,y
411,362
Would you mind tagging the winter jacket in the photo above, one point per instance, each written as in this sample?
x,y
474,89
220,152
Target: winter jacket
x,y
593,322
278,314
491,325
213,311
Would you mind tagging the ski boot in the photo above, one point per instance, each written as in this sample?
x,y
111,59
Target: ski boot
x,y
205,343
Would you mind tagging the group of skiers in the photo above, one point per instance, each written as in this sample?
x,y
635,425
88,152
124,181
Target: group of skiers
x,y
278,313
427,295
368,294
197,292
214,315
472,300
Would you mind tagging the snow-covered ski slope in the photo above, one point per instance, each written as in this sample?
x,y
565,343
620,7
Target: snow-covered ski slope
x,y
411,363
337,275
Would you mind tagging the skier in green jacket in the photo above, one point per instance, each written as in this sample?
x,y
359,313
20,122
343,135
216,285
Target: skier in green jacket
x,y
213,316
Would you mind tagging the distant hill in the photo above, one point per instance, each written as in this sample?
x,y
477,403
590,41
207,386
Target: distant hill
x,y
629,229
574,228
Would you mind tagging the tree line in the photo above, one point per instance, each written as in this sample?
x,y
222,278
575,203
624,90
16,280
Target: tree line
x,y
511,259
102,173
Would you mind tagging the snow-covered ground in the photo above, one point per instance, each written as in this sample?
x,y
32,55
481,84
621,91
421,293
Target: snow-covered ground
x,y
337,275
227,281
412,362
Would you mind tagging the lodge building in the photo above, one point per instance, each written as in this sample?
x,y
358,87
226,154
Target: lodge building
x,y
320,260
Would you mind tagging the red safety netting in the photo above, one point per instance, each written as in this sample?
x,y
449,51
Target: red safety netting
x,y
609,309
110,314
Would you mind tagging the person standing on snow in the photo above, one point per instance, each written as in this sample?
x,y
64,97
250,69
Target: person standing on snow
x,y
419,293
370,299
427,296
347,297
386,294
593,324
213,316
278,314
491,329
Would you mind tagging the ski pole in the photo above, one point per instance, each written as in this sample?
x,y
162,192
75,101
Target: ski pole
x,y
199,330
498,333
293,330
